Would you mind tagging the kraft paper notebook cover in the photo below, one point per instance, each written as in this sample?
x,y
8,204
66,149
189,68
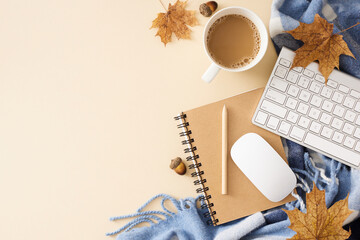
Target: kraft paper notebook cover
x,y
201,133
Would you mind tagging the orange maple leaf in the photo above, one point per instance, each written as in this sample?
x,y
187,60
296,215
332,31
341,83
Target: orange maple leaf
x,y
319,44
320,223
175,20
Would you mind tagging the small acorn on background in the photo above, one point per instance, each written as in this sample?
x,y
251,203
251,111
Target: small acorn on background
x,y
208,8
178,166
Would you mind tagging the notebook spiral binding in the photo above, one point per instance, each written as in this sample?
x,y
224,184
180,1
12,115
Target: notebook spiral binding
x,y
205,198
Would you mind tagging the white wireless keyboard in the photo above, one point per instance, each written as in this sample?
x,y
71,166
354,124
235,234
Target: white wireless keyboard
x,y
297,105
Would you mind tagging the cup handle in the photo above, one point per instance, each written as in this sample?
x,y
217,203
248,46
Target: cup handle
x,y
210,73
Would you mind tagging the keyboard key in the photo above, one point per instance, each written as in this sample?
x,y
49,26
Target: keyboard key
x,y
298,69
315,87
337,123
326,132
348,128
349,142
275,96
357,147
339,111
261,117
357,133
319,78
308,73
292,117
332,83
279,84
344,89
297,133
338,137
314,113
303,82
273,122
292,77
357,107
303,108
338,97
284,62
316,101
280,72
315,127
273,108
325,118
358,120
284,128
304,122
349,102
355,94
291,103
327,106
304,95
294,91
326,92
350,116
332,149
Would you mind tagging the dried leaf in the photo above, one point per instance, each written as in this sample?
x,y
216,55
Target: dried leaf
x,y
175,20
320,223
319,44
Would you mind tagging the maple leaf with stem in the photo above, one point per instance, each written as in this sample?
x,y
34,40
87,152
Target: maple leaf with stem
x,y
320,223
175,20
319,44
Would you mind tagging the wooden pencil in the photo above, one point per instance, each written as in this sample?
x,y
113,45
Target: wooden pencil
x,y
224,151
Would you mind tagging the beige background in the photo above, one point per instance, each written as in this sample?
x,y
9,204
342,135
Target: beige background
x,y
87,99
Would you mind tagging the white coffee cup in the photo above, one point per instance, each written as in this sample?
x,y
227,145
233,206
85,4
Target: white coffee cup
x,y
214,68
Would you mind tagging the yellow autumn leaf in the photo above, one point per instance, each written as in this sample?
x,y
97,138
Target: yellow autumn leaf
x,y
176,20
319,223
319,44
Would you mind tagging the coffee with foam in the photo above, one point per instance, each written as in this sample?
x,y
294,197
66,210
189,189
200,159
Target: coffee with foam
x,y
233,41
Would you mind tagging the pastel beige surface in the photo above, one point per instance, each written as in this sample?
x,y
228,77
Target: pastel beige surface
x,y
87,99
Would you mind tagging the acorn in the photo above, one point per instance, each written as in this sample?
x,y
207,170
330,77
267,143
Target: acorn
x,y
208,8
178,166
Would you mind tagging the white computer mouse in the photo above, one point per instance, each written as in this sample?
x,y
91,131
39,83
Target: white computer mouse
x,y
263,166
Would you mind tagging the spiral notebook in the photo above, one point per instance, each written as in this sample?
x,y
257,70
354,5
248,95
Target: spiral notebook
x,y
201,133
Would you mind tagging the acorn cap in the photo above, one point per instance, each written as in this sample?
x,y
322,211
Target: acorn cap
x,y
205,10
175,162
